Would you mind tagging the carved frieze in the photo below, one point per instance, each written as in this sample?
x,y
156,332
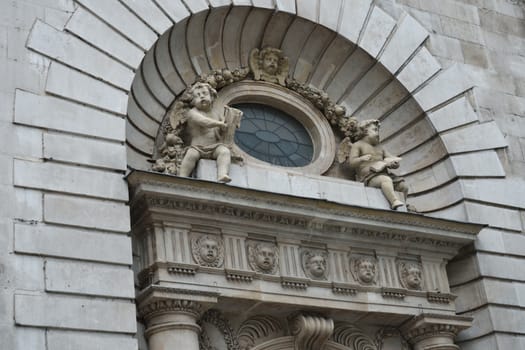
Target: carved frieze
x,y
256,328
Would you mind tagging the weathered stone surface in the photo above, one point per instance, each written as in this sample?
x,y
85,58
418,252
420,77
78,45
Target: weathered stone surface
x,y
87,26
71,179
28,338
494,216
378,29
64,340
123,20
71,51
90,213
71,84
196,6
28,204
268,4
448,84
509,192
285,5
153,79
354,67
408,36
308,9
84,151
89,279
58,114
420,68
484,163
438,198
454,114
367,85
473,138
48,240
150,13
357,10
74,313
329,11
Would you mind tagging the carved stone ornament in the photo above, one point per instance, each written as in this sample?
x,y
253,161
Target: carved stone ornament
x,y
410,274
269,64
208,250
364,269
159,307
256,328
315,264
217,320
311,332
372,164
198,129
195,123
352,337
263,257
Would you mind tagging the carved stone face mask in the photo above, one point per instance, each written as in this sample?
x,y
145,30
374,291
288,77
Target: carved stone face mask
x,y
265,258
413,278
366,271
270,63
209,250
317,265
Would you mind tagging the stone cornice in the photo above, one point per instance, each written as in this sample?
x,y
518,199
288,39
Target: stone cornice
x,y
158,193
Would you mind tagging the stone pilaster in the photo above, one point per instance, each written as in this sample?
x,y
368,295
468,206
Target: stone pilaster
x,y
171,317
434,332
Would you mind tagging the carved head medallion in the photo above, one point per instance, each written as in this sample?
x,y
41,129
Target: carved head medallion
x,y
315,264
263,257
208,250
410,274
364,269
269,64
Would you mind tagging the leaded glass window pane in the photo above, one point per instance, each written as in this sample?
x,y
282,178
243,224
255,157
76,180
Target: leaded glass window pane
x,y
273,136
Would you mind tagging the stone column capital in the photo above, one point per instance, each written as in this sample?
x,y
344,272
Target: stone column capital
x,y
434,331
158,303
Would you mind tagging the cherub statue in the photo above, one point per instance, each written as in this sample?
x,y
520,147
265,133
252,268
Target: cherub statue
x,y
370,161
206,129
269,64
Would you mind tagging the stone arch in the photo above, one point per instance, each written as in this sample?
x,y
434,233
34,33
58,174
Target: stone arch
x,y
96,56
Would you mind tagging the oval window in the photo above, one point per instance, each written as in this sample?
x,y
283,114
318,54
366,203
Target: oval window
x,y
273,136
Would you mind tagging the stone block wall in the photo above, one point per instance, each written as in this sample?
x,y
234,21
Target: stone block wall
x,y
65,257
487,39
63,213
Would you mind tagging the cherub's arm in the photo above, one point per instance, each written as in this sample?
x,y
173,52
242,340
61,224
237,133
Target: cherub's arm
x,y
391,160
204,121
356,158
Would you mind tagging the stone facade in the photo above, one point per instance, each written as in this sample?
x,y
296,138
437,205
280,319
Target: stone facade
x,y
87,83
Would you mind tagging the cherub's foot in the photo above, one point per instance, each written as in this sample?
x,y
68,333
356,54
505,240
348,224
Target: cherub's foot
x,y
396,204
224,179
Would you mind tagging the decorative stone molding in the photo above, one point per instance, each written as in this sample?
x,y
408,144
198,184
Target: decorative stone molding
x,y
311,332
263,257
257,327
183,269
440,298
208,250
159,307
315,263
434,331
294,282
344,288
216,319
354,338
393,293
239,275
389,332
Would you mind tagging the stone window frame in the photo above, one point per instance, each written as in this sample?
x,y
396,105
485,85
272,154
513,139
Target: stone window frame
x,y
276,96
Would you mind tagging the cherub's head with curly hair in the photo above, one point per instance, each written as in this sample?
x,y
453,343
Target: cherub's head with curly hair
x,y
270,60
